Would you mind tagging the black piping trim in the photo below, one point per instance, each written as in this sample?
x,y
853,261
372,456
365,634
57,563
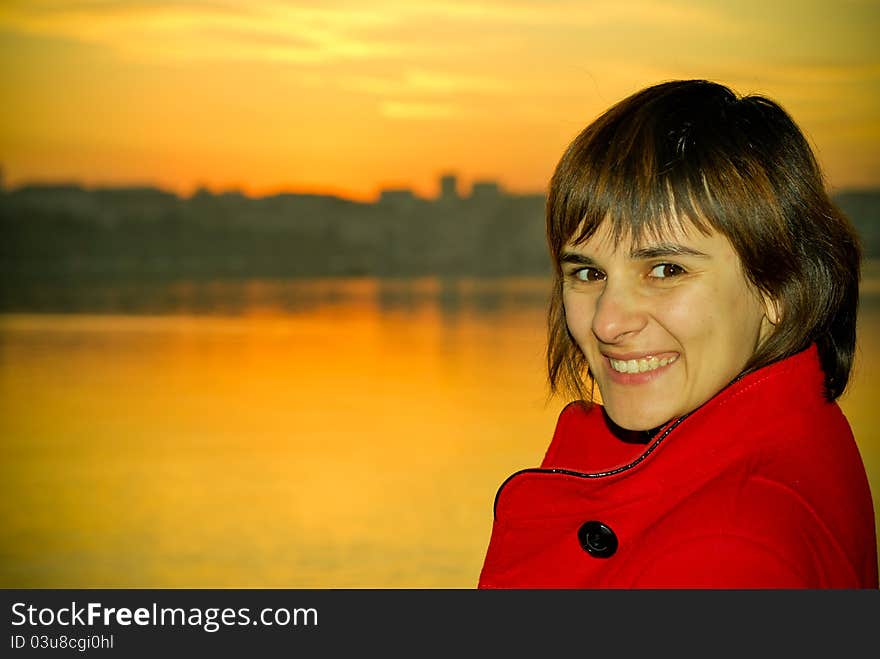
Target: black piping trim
x,y
599,474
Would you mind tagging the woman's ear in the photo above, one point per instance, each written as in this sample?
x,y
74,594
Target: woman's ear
x,y
772,309
772,315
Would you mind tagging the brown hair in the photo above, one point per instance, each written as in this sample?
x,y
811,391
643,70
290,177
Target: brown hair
x,y
693,151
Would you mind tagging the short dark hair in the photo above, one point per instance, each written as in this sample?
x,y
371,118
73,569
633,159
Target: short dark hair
x,y
693,151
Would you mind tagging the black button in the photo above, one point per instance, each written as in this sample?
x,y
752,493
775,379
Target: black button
x,y
597,539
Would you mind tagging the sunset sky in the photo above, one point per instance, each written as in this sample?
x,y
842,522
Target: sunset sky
x,y
351,97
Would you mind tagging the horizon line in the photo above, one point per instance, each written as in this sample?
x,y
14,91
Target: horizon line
x,y
481,183
218,191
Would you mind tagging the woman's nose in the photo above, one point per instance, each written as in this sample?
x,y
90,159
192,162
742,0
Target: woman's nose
x,y
619,314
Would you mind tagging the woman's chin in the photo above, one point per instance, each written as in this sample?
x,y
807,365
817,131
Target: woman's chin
x,y
628,418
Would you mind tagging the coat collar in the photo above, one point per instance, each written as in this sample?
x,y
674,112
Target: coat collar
x,y
747,402
798,377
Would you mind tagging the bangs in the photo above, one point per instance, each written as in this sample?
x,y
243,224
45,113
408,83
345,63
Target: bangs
x,y
640,210
651,165
646,186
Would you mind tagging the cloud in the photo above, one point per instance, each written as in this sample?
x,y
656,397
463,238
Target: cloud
x,y
415,110
683,15
206,30
313,33
423,82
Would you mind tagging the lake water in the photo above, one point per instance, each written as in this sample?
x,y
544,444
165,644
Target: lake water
x,y
329,434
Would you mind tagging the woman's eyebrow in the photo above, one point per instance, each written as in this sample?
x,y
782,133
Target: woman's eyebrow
x,y
666,249
576,259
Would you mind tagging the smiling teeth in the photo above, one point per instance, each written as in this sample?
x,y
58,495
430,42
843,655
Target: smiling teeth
x,y
640,365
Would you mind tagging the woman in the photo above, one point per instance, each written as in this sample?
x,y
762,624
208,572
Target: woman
x,y
707,286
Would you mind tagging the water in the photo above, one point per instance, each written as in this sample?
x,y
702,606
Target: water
x,y
276,434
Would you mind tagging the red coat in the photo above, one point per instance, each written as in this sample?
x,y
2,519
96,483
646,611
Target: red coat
x,y
760,487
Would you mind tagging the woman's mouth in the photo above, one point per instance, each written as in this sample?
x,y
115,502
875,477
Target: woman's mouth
x,y
642,365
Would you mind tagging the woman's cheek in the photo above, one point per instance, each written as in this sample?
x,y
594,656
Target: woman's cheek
x,y
579,318
685,315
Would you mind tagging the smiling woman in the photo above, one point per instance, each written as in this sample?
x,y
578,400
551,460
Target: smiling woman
x,y
708,287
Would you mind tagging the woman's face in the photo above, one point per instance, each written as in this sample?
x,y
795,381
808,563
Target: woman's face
x,y
664,324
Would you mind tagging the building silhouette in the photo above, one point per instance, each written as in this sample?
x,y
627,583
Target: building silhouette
x,y
52,232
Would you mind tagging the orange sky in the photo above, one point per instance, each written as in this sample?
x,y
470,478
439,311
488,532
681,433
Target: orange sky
x,y
350,97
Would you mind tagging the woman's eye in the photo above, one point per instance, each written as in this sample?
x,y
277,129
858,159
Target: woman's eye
x,y
664,270
589,274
